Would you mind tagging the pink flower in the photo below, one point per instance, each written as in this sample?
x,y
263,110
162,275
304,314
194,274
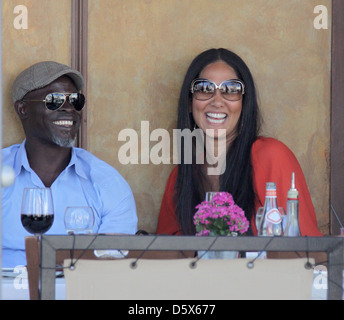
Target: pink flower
x,y
220,216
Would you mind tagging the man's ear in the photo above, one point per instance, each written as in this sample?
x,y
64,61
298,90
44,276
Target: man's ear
x,y
21,109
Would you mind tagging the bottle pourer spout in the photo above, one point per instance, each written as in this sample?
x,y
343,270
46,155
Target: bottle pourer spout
x,y
293,193
293,180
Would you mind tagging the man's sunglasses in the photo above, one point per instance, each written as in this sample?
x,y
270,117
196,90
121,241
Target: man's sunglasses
x,y
204,89
54,101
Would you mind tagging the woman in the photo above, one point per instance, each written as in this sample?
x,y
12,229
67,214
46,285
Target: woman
x,y
210,102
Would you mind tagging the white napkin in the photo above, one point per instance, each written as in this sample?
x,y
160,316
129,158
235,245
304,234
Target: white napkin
x,y
111,253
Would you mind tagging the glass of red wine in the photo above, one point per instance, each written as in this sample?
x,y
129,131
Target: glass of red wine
x,y
37,210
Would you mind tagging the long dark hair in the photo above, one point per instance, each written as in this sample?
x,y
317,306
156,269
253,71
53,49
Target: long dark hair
x,y
238,176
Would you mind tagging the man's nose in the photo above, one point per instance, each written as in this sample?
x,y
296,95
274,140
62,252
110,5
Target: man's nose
x,y
67,106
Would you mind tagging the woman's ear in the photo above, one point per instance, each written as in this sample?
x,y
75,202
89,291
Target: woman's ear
x,y
21,109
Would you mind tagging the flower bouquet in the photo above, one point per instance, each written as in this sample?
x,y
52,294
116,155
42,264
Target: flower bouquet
x,y
220,217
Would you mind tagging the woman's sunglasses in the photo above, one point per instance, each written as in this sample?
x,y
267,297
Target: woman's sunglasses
x,y
54,101
204,89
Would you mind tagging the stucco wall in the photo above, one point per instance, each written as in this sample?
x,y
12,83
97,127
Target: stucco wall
x,y
47,37
138,53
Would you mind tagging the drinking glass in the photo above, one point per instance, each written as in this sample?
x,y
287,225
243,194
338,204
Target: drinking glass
x,y
37,210
259,216
209,195
79,220
284,218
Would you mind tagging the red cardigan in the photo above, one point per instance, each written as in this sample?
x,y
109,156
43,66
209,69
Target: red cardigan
x,y
272,161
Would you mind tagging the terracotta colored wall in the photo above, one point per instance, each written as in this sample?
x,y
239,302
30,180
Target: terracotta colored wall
x,y
139,51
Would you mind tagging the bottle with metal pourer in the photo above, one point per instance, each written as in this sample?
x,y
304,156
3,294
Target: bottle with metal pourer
x,y
292,227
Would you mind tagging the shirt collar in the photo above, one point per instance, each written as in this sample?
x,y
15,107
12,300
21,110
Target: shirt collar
x,y
77,164
22,161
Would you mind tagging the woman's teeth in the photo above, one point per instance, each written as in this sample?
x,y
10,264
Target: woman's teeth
x,y
216,117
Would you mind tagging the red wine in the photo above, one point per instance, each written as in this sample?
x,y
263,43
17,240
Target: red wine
x,y
37,224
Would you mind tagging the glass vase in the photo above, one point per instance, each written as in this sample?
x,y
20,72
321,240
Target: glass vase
x,y
211,254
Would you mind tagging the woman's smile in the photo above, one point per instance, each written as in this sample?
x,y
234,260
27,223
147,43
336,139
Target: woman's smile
x,y
216,118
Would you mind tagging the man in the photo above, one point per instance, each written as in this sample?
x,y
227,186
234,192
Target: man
x,y
48,101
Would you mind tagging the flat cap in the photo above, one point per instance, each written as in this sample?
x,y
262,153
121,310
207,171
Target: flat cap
x,y
40,75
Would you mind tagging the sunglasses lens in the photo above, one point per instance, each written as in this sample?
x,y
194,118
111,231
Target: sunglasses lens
x,y
203,89
231,90
53,101
77,100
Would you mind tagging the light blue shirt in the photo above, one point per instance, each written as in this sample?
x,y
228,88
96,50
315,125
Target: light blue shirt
x,y
86,181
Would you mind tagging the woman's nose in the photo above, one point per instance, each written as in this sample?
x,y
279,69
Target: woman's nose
x,y
217,98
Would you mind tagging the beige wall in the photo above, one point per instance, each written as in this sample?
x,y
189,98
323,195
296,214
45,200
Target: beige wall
x,y
139,51
46,38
